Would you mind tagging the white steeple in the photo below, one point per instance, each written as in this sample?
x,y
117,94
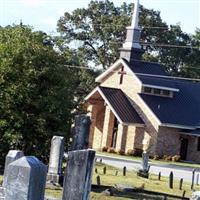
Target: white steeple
x,y
135,16
131,48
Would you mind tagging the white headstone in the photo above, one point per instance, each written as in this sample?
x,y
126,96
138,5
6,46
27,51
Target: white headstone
x,y
26,179
56,155
196,195
12,156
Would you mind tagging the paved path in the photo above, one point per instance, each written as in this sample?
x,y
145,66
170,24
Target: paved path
x,y
179,171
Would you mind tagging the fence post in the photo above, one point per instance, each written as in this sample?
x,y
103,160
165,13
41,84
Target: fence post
x,y
181,184
171,179
98,180
124,171
197,180
159,176
193,175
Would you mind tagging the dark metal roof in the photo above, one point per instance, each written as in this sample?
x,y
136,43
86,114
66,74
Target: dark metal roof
x,y
161,82
183,109
121,105
143,67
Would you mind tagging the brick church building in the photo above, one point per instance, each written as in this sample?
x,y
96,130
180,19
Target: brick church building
x,y
137,102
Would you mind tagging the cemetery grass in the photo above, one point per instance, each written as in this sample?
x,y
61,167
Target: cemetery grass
x,y
161,162
131,179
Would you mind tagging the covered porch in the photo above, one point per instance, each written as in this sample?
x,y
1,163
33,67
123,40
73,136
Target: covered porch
x,y
115,122
183,142
190,145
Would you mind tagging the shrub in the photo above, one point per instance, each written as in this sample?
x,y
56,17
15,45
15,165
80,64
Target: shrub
x,y
105,149
156,157
167,158
111,150
176,158
134,152
130,152
138,152
121,152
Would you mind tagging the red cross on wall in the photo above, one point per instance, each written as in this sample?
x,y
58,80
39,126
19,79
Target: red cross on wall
x,y
122,73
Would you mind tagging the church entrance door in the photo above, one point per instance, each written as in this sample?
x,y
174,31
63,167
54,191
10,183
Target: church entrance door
x,y
184,148
114,135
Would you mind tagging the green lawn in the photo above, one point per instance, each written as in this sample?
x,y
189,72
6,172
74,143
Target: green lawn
x,y
131,179
161,162
1,179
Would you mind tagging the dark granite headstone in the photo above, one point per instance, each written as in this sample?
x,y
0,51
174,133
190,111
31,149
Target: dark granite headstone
x,y
81,132
78,175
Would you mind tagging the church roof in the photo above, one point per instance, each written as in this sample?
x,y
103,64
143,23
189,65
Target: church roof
x,y
121,105
169,84
182,109
145,67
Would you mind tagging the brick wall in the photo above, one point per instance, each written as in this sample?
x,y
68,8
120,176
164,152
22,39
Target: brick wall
x,y
193,154
168,141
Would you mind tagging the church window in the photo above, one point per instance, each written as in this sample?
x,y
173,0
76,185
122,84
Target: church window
x,y
157,91
198,144
147,90
166,92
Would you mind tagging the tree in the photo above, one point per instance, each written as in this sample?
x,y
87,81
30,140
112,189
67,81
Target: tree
x,y
36,92
100,30
191,67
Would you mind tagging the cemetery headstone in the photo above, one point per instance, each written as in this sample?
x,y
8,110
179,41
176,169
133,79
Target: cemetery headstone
x,y
77,181
81,132
12,156
144,172
145,160
56,159
26,179
196,195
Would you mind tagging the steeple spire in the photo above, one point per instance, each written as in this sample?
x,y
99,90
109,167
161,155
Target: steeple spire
x,y
132,48
135,17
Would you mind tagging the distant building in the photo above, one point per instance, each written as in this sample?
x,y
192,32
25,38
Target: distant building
x,y
138,101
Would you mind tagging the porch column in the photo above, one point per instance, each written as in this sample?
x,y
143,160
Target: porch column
x,y
121,137
107,128
92,112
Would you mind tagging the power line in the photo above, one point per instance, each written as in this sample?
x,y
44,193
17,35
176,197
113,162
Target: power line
x,y
118,25
162,45
142,74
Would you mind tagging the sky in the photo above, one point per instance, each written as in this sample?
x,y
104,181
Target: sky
x,y
44,14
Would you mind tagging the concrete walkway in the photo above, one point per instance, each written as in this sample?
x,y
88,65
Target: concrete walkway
x,y
165,169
